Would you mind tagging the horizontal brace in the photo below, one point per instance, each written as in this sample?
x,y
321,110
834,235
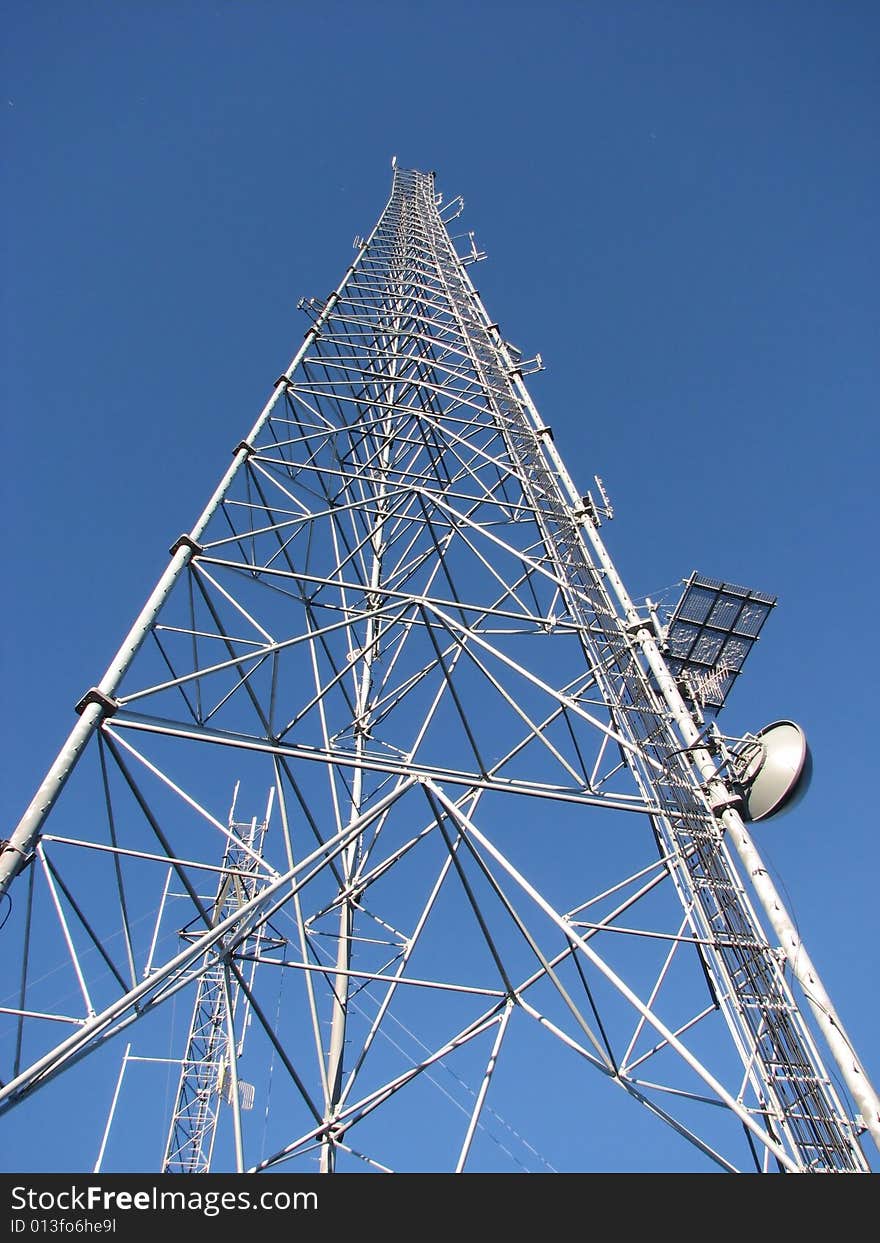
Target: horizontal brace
x,y
529,366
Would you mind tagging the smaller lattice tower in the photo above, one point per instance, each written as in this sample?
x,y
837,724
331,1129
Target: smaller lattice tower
x,y
209,1068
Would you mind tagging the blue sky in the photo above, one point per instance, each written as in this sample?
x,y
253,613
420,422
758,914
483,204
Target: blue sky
x,y
678,201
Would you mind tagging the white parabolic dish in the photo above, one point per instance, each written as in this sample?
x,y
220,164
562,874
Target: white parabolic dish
x,y
783,773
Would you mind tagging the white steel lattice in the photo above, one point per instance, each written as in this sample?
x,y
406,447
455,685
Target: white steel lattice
x,y
500,855
208,1072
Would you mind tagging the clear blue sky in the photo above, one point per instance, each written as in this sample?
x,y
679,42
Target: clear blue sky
x,y
679,202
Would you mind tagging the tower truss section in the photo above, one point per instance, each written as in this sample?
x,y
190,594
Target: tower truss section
x,y
518,921
209,1067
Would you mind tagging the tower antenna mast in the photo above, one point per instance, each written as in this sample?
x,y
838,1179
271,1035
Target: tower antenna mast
x,y
508,833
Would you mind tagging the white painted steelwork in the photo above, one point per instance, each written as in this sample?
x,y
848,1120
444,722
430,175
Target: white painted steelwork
x,y
509,910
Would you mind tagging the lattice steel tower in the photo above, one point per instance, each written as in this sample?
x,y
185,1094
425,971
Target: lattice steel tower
x,y
505,909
